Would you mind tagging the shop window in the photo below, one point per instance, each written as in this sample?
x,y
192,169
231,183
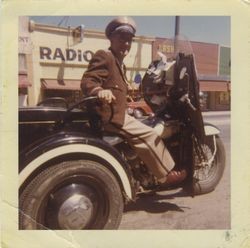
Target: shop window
x,y
22,97
224,98
22,63
203,100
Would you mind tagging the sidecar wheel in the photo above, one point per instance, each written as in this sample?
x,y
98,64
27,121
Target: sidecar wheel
x,y
206,178
79,194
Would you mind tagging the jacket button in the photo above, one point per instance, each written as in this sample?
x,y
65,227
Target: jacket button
x,y
116,86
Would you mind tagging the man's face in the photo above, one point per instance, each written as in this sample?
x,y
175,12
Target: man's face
x,y
121,44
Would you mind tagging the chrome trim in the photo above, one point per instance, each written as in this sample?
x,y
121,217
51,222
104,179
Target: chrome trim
x,y
75,212
215,151
79,148
48,122
211,130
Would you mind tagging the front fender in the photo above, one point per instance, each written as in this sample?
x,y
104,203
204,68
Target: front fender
x,y
211,129
60,145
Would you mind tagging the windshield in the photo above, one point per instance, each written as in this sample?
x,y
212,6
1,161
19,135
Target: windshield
x,y
160,75
170,47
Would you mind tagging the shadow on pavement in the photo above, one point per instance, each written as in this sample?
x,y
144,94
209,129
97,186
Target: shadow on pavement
x,y
155,203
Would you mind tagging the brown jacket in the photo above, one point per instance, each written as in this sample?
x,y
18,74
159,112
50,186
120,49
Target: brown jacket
x,y
105,72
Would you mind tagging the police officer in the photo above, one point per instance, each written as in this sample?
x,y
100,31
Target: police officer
x,y
106,78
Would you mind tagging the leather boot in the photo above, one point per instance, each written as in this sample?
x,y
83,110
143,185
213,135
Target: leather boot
x,y
175,177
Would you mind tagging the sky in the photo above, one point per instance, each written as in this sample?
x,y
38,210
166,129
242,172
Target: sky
x,y
211,29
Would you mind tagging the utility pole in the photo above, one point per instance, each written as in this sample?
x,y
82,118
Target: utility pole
x,y
177,32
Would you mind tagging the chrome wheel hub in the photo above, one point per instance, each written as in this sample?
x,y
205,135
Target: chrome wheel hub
x,y
72,206
75,212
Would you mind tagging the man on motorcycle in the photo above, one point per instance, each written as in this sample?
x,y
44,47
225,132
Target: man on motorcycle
x,y
106,78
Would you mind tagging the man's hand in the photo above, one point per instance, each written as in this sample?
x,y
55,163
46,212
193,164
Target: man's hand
x,y
106,96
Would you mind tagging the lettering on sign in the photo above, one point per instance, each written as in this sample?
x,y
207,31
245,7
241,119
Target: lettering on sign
x,y
23,39
24,44
47,53
166,48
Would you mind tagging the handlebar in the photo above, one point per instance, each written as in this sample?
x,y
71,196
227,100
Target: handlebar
x,y
186,99
90,98
81,102
53,100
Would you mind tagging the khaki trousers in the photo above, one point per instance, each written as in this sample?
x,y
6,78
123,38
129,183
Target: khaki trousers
x,y
148,145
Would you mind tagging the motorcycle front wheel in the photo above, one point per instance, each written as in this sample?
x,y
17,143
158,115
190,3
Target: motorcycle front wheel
x,y
72,195
207,175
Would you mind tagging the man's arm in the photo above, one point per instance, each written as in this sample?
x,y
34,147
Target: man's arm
x,y
96,75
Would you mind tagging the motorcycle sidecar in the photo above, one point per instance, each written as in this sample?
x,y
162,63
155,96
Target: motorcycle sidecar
x,y
68,177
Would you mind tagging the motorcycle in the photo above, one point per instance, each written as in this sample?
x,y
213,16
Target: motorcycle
x,y
74,175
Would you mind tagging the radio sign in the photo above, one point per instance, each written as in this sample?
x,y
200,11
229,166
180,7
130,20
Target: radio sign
x,y
47,53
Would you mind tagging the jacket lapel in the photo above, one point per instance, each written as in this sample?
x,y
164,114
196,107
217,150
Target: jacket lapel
x,y
122,72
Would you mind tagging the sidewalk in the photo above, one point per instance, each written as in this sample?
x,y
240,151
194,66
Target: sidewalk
x,y
216,113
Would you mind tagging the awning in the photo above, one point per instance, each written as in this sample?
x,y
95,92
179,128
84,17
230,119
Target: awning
x,y
214,86
64,84
23,81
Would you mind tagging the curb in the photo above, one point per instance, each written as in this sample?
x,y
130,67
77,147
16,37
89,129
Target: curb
x,y
216,113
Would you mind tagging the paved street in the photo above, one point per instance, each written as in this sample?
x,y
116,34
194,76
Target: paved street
x,y
175,210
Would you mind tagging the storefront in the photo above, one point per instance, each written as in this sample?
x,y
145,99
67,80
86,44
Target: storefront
x,y
212,65
24,51
216,90
57,58
53,59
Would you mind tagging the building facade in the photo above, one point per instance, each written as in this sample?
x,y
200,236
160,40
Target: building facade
x,y
212,66
53,59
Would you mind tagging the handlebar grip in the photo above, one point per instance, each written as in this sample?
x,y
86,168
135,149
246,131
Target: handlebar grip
x,y
186,99
191,106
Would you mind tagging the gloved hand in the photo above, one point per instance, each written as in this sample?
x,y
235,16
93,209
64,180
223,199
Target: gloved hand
x,y
106,96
